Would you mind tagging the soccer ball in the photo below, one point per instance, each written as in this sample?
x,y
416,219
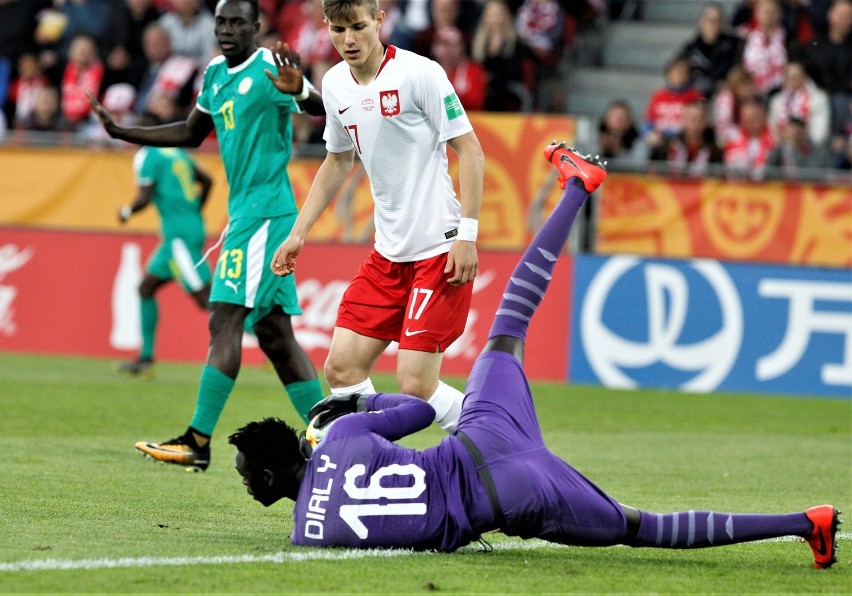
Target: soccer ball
x,y
314,434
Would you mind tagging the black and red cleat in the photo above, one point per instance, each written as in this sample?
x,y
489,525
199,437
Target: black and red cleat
x,y
591,171
823,537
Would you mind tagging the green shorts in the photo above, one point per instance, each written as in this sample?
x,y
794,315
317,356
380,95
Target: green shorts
x,y
175,258
242,274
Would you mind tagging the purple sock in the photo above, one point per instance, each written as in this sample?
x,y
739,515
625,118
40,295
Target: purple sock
x,y
700,529
532,275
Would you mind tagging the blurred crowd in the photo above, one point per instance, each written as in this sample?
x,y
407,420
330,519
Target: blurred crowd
x,y
149,55
767,86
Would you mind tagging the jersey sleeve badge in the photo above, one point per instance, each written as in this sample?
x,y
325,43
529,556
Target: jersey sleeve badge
x,y
453,106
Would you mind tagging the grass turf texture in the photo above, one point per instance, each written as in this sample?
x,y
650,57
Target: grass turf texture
x,y
74,489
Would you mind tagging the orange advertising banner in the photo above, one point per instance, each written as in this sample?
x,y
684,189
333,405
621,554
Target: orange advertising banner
x,y
83,188
75,188
775,222
771,222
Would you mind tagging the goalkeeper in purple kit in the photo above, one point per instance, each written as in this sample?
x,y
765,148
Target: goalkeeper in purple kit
x,y
360,489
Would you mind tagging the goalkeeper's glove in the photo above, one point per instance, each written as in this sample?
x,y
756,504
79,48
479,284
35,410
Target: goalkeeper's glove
x,y
304,446
334,406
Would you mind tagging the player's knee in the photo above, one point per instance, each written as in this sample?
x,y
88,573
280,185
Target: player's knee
x,y
416,385
338,374
333,374
264,334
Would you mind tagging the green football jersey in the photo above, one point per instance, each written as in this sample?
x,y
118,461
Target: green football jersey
x,y
175,194
252,120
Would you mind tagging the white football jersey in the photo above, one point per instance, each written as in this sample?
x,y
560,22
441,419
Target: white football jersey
x,y
399,125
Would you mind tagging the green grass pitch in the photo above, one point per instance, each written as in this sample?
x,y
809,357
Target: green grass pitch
x,y
81,511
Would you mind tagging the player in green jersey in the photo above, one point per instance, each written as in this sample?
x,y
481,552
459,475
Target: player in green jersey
x,y
248,96
167,178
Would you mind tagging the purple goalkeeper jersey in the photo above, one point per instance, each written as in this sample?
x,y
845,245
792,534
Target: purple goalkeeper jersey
x,y
362,490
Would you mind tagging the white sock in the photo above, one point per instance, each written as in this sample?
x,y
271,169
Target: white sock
x,y
365,387
447,402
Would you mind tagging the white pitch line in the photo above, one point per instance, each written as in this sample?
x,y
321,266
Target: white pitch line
x,y
279,557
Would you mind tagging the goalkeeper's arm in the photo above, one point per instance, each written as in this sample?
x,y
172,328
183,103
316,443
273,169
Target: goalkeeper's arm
x,y
396,415
391,415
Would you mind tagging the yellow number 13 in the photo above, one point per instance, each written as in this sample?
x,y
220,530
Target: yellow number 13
x,y
231,263
227,111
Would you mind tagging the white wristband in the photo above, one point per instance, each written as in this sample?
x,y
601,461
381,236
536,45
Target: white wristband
x,y
306,91
468,227
125,212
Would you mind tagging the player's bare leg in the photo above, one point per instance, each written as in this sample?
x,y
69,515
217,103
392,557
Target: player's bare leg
x,y
418,373
350,360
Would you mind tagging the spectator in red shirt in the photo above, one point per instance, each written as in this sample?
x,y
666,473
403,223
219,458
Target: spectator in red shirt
x,y
541,25
739,87
747,151
468,77
765,51
166,73
691,151
664,114
84,71
313,43
30,79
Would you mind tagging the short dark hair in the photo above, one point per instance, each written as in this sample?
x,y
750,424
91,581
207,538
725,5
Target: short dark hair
x,y
344,10
268,444
255,9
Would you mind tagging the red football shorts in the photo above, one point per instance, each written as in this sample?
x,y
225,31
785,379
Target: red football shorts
x,y
410,303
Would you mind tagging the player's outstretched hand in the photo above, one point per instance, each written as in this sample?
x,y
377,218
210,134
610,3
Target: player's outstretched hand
x,y
462,262
289,65
334,406
284,260
106,120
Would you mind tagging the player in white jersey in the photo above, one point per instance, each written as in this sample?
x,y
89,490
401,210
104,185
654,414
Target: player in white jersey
x,y
398,112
